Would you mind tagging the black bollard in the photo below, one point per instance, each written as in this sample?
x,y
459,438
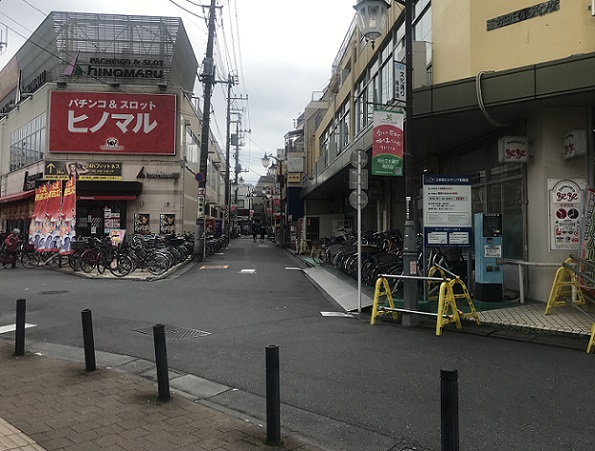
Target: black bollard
x,y
449,403
88,340
19,338
273,396
161,362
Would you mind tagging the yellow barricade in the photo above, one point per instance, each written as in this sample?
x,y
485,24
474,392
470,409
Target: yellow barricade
x,y
564,287
447,300
382,288
448,311
591,345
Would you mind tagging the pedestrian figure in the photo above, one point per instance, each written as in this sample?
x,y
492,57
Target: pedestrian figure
x,y
262,232
254,230
11,243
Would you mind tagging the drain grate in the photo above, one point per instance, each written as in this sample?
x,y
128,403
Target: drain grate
x,y
176,332
54,292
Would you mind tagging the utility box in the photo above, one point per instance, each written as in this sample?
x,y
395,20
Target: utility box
x,y
488,249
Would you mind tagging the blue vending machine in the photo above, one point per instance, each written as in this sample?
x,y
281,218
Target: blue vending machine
x,y
488,248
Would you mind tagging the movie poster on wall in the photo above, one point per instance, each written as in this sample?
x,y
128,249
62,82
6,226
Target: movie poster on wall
x,y
112,123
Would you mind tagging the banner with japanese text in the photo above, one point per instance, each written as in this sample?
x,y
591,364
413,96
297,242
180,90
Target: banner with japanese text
x,y
112,123
68,215
587,243
36,225
387,143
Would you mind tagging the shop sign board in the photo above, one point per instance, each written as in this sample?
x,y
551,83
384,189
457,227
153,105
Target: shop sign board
x,y
513,149
447,210
81,170
575,144
565,212
112,123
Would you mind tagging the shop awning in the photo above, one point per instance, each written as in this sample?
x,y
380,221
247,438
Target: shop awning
x,y
17,196
107,197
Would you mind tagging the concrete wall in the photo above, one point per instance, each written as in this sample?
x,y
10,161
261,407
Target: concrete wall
x,y
545,130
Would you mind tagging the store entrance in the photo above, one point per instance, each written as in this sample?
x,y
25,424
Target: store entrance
x,y
98,218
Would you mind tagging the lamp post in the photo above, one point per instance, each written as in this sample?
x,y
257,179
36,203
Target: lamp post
x,y
265,162
372,19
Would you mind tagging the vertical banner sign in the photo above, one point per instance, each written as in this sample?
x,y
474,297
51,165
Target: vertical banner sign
x,y
68,215
447,211
587,243
387,143
51,223
36,226
566,204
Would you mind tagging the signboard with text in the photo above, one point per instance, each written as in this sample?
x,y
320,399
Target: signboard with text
x,y
447,211
112,123
566,205
92,170
387,143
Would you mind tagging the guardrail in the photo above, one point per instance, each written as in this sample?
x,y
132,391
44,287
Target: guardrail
x,y
521,265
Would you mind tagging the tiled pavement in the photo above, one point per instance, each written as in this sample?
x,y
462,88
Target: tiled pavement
x,y
54,404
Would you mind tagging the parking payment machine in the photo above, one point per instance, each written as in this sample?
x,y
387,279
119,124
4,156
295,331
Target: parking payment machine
x,y
488,248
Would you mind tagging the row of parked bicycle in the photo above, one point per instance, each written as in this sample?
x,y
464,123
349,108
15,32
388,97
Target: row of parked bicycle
x,y
382,253
154,253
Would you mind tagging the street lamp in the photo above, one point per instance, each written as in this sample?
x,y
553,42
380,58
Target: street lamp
x,y
266,160
372,19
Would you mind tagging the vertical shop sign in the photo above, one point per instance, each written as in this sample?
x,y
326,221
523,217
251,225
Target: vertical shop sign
x,y
565,206
387,143
587,243
68,215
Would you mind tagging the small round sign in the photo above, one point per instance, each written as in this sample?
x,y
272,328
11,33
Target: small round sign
x,y
358,158
199,177
360,201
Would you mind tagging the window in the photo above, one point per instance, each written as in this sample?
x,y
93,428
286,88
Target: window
x,y
27,144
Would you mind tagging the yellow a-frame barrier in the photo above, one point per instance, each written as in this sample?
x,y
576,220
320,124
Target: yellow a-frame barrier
x,y
447,301
564,287
591,345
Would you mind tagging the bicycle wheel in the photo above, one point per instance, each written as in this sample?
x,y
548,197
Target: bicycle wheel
x,y
157,264
121,266
30,259
88,260
316,256
74,260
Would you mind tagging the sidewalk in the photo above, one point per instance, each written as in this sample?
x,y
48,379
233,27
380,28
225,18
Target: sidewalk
x,y
54,404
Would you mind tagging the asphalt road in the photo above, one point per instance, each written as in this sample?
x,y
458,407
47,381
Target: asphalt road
x,y
382,381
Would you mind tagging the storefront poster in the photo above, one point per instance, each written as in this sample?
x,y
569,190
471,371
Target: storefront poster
x,y
142,223
81,170
167,224
112,123
387,143
117,236
566,206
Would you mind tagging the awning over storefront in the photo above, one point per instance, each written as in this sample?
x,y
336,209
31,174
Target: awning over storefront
x,y
17,196
105,197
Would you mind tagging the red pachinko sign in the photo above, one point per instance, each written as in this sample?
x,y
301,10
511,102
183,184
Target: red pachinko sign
x,y
112,123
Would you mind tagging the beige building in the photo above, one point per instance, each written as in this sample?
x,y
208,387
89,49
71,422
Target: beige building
x,y
503,94
107,97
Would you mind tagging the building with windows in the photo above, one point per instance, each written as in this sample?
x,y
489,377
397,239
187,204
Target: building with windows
x,y
107,98
503,93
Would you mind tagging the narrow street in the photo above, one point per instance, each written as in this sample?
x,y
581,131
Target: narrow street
x,y
343,382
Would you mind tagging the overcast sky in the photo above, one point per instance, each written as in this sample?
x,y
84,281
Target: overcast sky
x,y
283,51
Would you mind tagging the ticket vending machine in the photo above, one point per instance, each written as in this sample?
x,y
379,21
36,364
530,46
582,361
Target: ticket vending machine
x,y
488,248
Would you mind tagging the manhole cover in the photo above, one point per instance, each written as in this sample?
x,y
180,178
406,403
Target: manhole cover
x,y
175,332
54,292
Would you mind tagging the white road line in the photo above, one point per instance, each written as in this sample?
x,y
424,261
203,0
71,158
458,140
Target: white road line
x,y
13,327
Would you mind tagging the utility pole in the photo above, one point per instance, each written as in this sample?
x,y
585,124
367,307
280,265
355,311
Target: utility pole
x,y
230,83
208,79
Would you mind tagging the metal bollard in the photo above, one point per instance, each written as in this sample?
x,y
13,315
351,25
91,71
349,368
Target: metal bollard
x,y
161,362
273,400
449,404
88,340
19,338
